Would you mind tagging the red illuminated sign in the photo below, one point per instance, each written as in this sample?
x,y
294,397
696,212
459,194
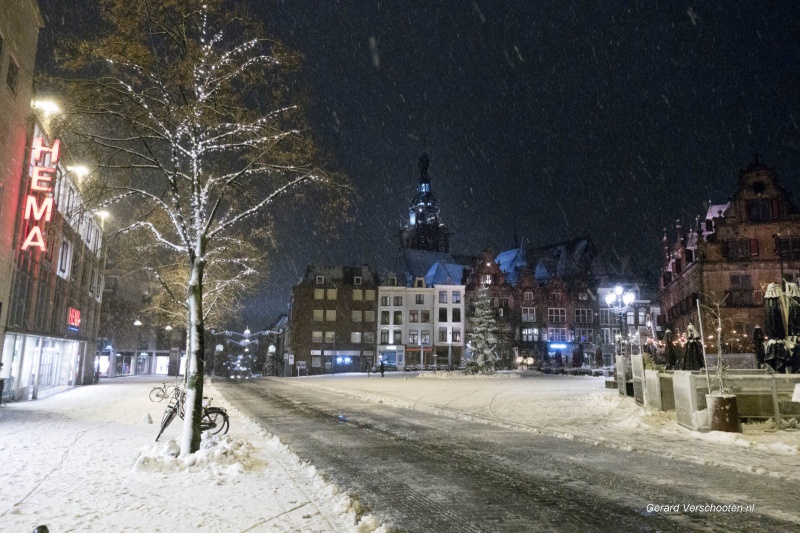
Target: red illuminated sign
x,y
37,206
74,318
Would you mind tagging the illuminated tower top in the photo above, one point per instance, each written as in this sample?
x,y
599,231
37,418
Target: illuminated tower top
x,y
424,229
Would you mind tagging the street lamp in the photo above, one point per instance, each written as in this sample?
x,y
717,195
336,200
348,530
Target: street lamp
x,y
618,302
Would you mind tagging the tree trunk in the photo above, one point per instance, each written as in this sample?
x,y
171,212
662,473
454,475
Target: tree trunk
x,y
195,368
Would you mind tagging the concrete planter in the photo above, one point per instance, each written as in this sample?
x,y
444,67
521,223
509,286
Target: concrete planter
x,y
724,413
658,391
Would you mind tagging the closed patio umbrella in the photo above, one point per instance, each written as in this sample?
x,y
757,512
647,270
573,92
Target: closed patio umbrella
x,y
693,355
670,350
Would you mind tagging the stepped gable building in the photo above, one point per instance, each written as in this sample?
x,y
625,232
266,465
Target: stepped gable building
x,y
332,320
730,256
425,229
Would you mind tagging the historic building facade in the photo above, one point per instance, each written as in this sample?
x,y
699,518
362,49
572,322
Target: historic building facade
x,y
332,320
730,256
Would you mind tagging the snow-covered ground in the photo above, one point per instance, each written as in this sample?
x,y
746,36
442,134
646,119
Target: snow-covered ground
x,y
86,460
577,408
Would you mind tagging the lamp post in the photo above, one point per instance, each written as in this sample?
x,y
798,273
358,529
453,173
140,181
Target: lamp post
x,y
618,302
135,359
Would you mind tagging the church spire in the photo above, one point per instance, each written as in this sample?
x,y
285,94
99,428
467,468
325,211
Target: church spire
x,y
424,229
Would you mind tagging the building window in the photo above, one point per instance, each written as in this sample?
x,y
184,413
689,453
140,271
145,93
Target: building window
x,y
65,255
419,283
319,280
369,295
398,318
527,334
330,315
426,336
456,335
393,282
385,318
356,280
584,335
741,292
740,249
606,317
762,210
420,299
384,301
557,334
442,314
319,294
355,337
331,294
316,336
358,295
317,315
456,314
13,75
384,336
397,336
425,317
442,334
442,297
556,315
456,297
605,336
413,337
355,316
413,317
330,336
398,301
487,279
583,316
788,249
369,337
369,316
527,296
529,314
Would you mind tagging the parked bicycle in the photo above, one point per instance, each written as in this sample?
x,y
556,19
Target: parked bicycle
x,y
215,420
163,391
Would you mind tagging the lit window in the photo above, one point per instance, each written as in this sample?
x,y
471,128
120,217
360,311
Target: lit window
x,y
330,315
331,294
317,315
369,316
557,334
413,336
316,336
369,295
456,297
487,279
330,336
426,336
413,317
355,337
442,297
355,316
527,335
358,295
319,294
456,335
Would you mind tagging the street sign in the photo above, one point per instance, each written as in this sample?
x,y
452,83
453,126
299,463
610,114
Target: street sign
x,y
301,365
291,358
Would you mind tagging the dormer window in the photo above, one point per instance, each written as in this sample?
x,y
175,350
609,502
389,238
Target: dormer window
x,y
319,280
393,282
357,280
419,282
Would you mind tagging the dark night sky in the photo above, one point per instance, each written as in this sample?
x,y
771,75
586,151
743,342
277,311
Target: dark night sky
x,y
561,117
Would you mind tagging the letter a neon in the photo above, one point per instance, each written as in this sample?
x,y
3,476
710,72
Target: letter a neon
x,y
34,239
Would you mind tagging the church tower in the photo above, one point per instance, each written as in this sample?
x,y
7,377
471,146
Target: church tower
x,y
424,229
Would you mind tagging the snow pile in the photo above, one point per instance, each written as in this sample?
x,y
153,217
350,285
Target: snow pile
x,y
458,374
217,455
721,437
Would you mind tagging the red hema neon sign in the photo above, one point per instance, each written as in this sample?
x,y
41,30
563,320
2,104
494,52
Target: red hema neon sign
x,y
41,182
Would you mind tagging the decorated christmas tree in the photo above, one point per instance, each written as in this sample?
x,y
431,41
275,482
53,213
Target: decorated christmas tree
x,y
483,339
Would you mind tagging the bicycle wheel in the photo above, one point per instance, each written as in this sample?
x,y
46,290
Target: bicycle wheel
x,y
215,420
169,416
157,394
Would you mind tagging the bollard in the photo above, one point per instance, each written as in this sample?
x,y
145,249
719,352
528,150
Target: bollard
x,y
41,529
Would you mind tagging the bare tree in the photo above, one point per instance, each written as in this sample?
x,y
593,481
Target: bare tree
x,y
191,112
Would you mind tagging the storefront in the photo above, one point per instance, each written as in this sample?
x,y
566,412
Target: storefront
x,y
36,366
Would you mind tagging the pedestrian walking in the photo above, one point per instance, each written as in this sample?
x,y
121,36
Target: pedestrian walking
x,y
382,369
369,370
